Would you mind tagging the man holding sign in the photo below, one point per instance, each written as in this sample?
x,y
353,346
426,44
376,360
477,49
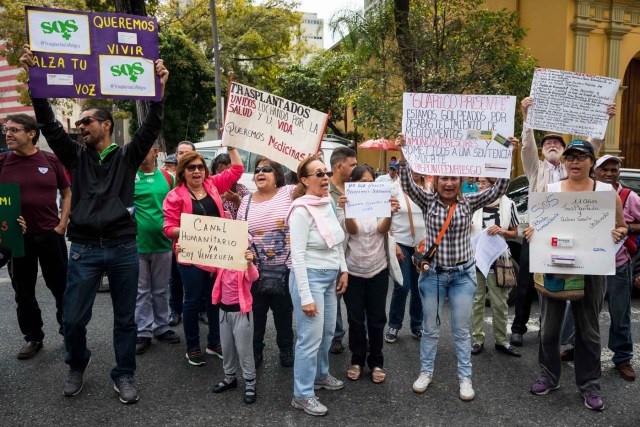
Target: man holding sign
x,y
102,229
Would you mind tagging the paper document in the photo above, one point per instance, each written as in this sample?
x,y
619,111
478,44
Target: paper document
x,y
488,248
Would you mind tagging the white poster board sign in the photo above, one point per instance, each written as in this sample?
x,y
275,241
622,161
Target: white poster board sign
x,y
572,103
216,242
462,135
573,232
368,199
266,124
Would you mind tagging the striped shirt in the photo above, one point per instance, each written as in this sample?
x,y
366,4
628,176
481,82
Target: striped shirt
x,y
267,226
455,246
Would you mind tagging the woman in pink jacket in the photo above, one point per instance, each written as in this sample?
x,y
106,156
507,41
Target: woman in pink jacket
x,y
199,194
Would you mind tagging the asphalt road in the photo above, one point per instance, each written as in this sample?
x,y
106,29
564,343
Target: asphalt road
x,y
174,393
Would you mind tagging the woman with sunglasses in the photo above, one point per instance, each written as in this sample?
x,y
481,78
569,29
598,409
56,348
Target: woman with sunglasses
x,y
319,272
199,194
266,211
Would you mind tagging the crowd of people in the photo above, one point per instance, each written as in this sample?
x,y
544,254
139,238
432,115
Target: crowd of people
x,y
124,216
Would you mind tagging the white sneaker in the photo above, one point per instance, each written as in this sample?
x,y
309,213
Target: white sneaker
x,y
423,381
466,390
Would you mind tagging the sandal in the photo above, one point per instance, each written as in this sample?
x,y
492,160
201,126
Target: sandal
x,y
354,371
378,375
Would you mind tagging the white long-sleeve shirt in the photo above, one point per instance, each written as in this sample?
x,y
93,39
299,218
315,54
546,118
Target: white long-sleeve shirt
x,y
309,249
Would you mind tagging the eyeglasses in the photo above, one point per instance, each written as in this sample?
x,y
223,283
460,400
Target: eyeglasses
x,y
578,157
265,169
6,130
87,120
321,174
192,168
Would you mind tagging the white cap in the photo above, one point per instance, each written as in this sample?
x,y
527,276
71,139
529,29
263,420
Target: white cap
x,y
606,157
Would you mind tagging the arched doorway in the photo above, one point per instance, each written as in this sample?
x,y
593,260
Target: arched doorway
x,y
630,115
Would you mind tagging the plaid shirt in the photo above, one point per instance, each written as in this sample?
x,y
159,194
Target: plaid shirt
x,y
455,246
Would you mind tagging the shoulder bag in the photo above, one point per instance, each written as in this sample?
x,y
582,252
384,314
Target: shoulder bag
x,y
423,260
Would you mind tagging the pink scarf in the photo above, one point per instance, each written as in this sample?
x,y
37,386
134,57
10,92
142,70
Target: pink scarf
x,y
310,203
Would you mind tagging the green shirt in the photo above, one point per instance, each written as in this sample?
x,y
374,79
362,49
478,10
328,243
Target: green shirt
x,y
150,191
107,150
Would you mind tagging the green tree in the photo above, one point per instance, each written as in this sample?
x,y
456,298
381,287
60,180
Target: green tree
x,y
189,99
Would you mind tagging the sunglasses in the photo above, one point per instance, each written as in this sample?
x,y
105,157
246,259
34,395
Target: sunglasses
x,y
87,120
265,169
192,168
12,130
578,157
321,174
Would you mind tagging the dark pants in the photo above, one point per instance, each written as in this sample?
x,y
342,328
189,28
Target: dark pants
x,y
197,282
282,308
176,292
619,298
366,302
87,263
50,249
586,314
525,292
399,296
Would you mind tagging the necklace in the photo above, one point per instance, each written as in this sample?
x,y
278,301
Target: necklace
x,y
197,193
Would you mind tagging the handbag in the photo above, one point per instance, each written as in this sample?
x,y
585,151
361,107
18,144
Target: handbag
x,y
505,271
422,260
559,286
274,278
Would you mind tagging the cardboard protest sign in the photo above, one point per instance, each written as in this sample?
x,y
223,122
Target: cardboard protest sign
x,y
92,55
266,124
572,103
462,135
573,232
216,242
368,199
10,231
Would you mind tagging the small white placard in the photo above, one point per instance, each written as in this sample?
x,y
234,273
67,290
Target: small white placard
x,y
127,38
60,79
368,199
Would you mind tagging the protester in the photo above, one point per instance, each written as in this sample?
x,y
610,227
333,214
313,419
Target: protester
x,y
618,294
366,295
343,160
232,292
579,160
452,274
40,176
539,173
102,229
198,193
319,272
469,185
391,176
408,229
154,252
232,198
176,290
170,163
266,212
498,218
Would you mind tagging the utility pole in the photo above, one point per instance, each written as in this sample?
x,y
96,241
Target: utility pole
x,y
216,64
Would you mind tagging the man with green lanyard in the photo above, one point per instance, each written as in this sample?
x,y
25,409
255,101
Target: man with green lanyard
x,y
154,254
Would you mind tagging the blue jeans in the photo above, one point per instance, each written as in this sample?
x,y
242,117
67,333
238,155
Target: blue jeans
x,y
399,296
618,297
196,282
314,333
459,286
87,263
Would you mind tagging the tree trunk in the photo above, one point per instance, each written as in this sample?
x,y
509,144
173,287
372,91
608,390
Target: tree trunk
x,y
410,76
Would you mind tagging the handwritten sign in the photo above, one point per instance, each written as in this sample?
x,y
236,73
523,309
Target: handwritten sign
x,y
462,135
573,232
573,103
10,230
212,241
368,199
92,55
282,130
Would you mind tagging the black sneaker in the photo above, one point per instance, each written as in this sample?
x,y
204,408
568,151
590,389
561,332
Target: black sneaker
x,y
287,358
168,337
142,344
196,358
336,347
214,350
174,319
73,383
124,386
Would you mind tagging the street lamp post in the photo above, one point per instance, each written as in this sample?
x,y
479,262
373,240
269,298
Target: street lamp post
x,y
216,59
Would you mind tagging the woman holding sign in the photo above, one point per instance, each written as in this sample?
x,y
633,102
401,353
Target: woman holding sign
x,y
366,297
198,193
579,160
448,266
318,263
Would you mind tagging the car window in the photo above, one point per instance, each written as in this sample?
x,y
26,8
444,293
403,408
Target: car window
x,y
632,182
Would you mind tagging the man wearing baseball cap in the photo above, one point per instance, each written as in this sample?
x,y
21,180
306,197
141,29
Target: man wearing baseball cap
x,y
618,295
392,176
